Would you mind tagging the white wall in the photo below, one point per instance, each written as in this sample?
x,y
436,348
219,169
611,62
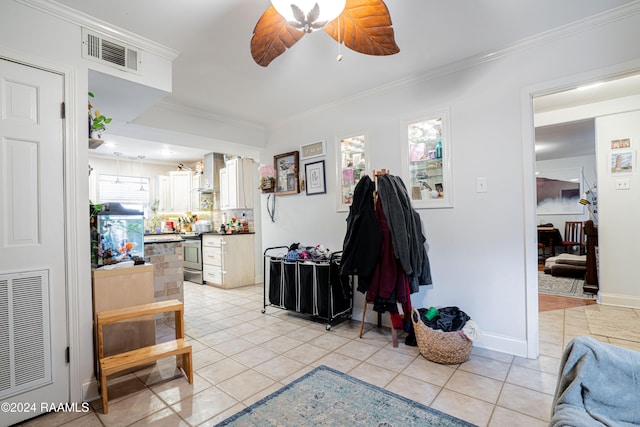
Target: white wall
x,y
618,231
480,250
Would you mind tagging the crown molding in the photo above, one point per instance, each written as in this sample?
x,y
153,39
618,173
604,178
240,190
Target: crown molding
x,y
73,16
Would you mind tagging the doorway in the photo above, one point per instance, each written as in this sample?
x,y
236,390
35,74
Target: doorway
x,y
565,129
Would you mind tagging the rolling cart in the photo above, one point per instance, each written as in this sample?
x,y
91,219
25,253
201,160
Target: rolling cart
x,y
308,287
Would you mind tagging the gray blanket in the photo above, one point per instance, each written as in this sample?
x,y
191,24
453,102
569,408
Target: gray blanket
x,y
599,385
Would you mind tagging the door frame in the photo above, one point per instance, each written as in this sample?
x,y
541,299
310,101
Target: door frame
x,y
72,235
529,181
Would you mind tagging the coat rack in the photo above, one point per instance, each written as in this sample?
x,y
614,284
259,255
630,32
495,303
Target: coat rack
x,y
394,334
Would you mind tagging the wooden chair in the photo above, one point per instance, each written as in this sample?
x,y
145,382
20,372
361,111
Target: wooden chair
x,y
543,253
573,237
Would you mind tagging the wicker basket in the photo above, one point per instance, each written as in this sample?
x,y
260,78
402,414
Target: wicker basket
x,y
447,348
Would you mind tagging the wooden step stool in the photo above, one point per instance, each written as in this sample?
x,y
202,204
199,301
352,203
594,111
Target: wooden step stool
x,y
119,362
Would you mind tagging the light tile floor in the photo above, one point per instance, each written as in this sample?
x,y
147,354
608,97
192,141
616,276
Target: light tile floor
x,y
241,355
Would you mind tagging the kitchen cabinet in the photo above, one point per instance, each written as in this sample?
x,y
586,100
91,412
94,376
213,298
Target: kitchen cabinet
x,y
180,190
164,193
236,184
228,260
224,189
175,191
197,182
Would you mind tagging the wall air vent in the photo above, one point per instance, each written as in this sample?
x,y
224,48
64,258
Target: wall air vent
x,y
25,332
105,50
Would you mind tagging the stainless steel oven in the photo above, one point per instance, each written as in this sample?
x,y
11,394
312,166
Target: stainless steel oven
x,y
192,259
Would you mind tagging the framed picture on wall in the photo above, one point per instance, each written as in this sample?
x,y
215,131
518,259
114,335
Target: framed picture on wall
x,y
286,169
314,149
316,181
620,143
622,162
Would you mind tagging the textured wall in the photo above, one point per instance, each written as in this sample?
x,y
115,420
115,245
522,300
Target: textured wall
x,y
168,274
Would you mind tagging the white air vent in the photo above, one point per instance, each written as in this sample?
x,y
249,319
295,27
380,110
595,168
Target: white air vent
x,y
108,51
25,333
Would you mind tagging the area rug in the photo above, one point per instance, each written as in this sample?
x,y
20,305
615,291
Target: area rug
x,y
564,286
326,397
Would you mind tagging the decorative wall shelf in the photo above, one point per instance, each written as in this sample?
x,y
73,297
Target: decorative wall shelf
x,y
95,143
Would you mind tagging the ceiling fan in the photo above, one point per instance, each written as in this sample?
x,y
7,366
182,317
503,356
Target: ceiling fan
x,y
362,25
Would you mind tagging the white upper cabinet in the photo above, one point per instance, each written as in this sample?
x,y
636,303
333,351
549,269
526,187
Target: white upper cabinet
x,y
180,190
236,184
164,194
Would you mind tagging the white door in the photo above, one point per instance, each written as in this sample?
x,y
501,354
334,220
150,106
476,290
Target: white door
x,y
33,313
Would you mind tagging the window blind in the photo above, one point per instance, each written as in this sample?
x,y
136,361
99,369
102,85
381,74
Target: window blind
x,y
131,191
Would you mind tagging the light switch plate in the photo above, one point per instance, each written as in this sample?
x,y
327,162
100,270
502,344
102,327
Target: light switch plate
x,y
622,184
481,184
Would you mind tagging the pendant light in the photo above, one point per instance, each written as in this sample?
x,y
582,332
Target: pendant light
x,y
140,157
117,154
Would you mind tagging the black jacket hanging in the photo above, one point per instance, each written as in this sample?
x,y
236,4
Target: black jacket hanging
x,y
363,238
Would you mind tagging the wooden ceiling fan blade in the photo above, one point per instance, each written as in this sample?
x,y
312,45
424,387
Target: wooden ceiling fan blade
x,y
365,26
272,36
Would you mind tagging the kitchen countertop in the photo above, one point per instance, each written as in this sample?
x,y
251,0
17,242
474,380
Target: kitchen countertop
x,y
163,238
216,233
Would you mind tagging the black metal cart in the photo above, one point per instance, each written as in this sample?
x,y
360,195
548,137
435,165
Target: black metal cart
x,y
307,287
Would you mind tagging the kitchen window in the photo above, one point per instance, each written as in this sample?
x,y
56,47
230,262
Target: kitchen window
x,y
131,191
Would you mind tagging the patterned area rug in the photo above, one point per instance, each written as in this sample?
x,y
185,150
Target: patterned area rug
x,y
328,397
564,286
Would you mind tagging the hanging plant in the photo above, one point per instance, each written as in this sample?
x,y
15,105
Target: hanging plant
x,y
97,121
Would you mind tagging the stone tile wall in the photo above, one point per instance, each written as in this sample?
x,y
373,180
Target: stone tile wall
x,y
168,275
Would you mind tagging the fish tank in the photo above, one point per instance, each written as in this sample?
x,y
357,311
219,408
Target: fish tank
x,y
117,235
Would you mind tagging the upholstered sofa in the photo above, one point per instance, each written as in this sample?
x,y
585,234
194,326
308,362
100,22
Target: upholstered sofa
x,y
598,385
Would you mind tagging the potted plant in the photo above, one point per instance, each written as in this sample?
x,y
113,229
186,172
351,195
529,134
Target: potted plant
x,y
96,250
97,121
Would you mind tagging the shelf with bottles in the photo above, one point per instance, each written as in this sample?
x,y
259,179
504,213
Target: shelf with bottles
x,y
427,188
428,160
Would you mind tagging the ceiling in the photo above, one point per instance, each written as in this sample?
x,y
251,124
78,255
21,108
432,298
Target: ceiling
x,y
215,75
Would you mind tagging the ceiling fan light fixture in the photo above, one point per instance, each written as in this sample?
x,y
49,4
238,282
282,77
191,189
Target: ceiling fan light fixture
x,y
309,15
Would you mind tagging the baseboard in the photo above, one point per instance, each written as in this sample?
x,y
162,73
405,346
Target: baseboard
x,y
90,390
619,300
502,344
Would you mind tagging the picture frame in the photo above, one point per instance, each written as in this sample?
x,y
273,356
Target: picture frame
x,y
286,168
623,143
316,182
315,149
622,162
